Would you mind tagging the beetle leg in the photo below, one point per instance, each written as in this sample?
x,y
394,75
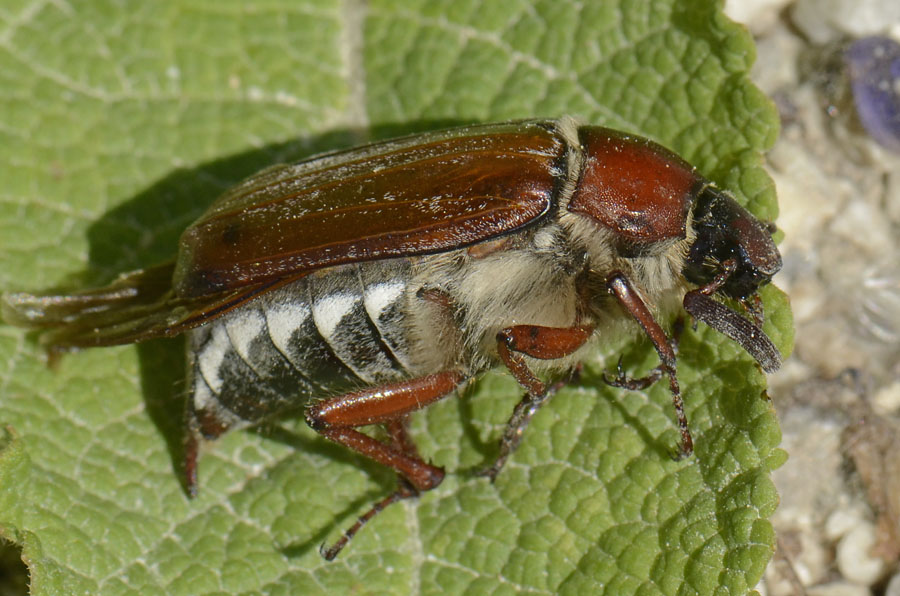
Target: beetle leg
x,y
729,266
545,343
399,438
754,307
623,381
206,423
190,450
337,418
405,490
638,384
628,297
399,435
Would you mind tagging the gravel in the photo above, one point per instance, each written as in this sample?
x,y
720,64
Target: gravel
x,y
838,396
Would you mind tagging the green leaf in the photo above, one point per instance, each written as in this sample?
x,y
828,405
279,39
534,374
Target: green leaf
x,y
122,122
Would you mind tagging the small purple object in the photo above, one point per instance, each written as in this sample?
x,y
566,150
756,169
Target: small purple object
x,y
874,66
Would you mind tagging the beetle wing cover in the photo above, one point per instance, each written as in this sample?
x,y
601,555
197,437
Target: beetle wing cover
x,y
419,195
412,196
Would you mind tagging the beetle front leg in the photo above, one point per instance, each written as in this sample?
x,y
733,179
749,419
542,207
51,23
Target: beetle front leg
x,y
338,417
544,343
623,381
628,297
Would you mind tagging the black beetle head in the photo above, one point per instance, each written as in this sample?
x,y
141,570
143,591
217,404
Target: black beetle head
x,y
726,231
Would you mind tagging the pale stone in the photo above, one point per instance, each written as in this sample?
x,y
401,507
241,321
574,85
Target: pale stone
x,y
893,587
842,521
853,558
838,589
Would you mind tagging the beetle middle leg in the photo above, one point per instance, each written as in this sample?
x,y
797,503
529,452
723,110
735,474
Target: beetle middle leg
x,y
338,417
545,343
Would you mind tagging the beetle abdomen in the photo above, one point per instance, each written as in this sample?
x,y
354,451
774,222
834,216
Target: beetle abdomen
x,y
322,335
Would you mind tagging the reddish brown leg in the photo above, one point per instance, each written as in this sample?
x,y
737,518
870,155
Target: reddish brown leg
x,y
336,419
754,307
637,384
545,343
399,438
206,424
729,266
621,288
404,491
399,435
189,466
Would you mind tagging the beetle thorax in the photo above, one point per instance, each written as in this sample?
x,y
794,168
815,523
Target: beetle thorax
x,y
655,272
530,280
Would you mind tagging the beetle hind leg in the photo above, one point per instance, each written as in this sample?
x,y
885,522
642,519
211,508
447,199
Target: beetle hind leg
x,y
338,417
200,424
400,439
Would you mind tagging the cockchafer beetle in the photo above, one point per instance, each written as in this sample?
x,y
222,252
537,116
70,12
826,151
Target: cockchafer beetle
x,y
361,285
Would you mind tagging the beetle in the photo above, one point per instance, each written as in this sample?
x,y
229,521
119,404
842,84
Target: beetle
x,y
361,285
